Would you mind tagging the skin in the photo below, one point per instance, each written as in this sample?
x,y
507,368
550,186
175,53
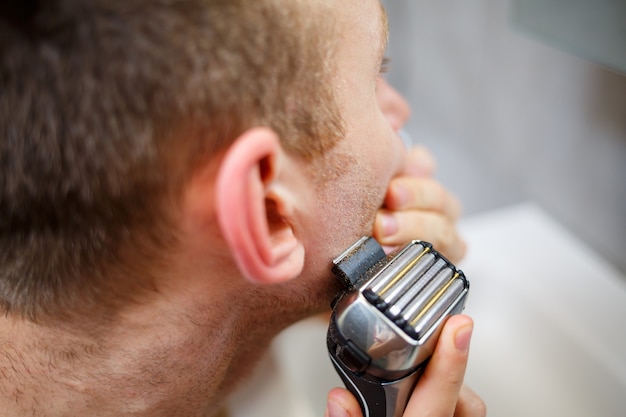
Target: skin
x,y
248,264
416,205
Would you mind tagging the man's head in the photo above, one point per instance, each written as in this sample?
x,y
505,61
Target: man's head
x,y
108,107
184,171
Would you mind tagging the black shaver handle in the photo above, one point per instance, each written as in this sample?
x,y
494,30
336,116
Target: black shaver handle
x,y
377,398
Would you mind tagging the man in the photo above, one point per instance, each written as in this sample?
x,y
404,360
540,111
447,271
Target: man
x,y
176,177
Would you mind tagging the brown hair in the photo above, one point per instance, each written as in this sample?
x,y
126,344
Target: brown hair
x,y
102,104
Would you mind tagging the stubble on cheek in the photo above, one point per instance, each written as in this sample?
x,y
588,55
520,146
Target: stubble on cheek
x,y
350,192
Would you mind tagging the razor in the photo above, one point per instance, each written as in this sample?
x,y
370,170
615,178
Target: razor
x,y
384,327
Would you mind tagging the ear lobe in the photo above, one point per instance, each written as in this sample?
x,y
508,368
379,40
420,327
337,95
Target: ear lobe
x,y
251,214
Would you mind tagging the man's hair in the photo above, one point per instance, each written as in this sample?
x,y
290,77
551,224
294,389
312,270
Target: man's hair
x,y
106,108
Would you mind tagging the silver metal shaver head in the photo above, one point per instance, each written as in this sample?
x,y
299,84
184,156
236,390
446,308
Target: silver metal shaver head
x,y
384,329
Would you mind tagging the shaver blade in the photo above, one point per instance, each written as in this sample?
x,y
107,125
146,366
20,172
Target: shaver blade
x,y
415,292
385,327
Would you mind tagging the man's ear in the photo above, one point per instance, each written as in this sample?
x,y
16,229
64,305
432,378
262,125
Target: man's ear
x,y
253,209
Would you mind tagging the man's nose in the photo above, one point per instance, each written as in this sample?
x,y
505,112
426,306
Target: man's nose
x,y
392,104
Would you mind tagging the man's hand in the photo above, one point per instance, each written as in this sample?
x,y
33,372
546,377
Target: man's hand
x,y
418,207
440,390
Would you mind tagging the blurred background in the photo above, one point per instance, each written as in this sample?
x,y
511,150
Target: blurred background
x,y
523,103
521,100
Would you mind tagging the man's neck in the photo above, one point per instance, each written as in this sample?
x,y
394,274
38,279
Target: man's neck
x,y
52,371
179,353
43,370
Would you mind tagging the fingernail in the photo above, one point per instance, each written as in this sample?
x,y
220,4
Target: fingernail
x,y
389,225
463,338
334,409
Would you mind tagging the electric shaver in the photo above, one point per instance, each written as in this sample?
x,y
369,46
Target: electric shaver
x,y
384,327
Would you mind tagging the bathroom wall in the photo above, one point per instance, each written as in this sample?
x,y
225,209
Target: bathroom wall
x,y
512,119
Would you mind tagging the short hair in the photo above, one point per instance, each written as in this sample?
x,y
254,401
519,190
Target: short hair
x,y
107,107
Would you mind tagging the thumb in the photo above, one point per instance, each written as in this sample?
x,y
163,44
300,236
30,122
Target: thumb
x,y
341,403
437,391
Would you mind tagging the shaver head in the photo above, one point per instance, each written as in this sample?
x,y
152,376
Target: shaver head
x,y
387,324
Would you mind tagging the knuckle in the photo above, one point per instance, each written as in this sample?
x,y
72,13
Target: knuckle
x,y
470,404
447,236
415,226
420,194
478,407
440,197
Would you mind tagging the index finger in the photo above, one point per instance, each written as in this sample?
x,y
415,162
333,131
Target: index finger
x,y
421,193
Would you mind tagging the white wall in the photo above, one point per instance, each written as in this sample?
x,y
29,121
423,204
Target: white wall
x,y
511,119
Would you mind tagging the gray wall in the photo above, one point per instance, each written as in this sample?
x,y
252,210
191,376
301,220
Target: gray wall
x,y
511,119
